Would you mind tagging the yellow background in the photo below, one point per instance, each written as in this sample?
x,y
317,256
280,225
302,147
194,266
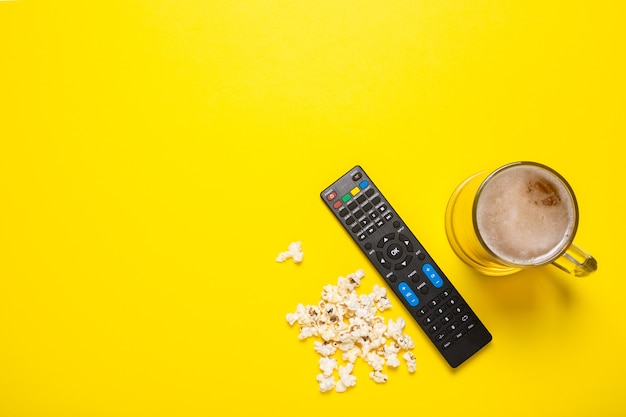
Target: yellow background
x,y
156,156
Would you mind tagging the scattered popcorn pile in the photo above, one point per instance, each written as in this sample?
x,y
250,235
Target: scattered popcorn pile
x,y
347,322
293,251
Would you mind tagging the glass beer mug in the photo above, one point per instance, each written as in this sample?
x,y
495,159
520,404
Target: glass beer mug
x,y
522,215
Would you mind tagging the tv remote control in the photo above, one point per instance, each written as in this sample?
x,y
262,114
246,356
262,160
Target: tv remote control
x,y
406,267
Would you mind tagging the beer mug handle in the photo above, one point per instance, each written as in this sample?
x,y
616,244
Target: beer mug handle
x,y
576,262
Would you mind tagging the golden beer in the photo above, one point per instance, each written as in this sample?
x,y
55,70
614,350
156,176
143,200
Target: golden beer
x,y
521,215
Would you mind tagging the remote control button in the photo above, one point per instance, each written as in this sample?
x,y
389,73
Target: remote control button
x,y
446,345
407,242
364,222
331,196
357,176
376,200
343,212
396,224
352,205
422,312
337,204
408,294
382,260
428,320
424,289
421,256
401,265
368,246
346,198
393,278
362,237
368,206
406,261
369,192
359,213
394,251
364,184
382,208
382,242
370,230
361,199
354,191
379,223
350,220
432,275
453,301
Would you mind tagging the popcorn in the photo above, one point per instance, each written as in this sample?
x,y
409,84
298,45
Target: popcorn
x,y
378,377
327,383
410,361
351,354
392,361
378,292
307,332
405,342
375,361
383,304
293,317
394,329
324,348
327,365
346,379
348,325
294,251
390,352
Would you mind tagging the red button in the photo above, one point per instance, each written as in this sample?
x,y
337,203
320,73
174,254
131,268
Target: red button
x,y
337,204
331,196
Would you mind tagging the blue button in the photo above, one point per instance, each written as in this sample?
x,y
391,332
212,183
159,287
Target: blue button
x,y
363,184
408,294
432,275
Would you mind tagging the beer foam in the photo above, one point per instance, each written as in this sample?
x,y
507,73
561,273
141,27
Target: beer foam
x,y
525,214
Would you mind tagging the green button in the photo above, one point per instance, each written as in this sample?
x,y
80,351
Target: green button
x,y
346,197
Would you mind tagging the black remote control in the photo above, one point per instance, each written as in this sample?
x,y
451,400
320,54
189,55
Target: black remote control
x,y
406,267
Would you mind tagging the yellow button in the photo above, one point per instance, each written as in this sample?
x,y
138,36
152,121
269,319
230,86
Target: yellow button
x,y
354,191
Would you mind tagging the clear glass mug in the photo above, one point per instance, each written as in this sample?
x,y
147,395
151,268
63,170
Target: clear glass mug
x,y
522,215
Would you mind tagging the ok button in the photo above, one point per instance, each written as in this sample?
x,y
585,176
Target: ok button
x,y
395,251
